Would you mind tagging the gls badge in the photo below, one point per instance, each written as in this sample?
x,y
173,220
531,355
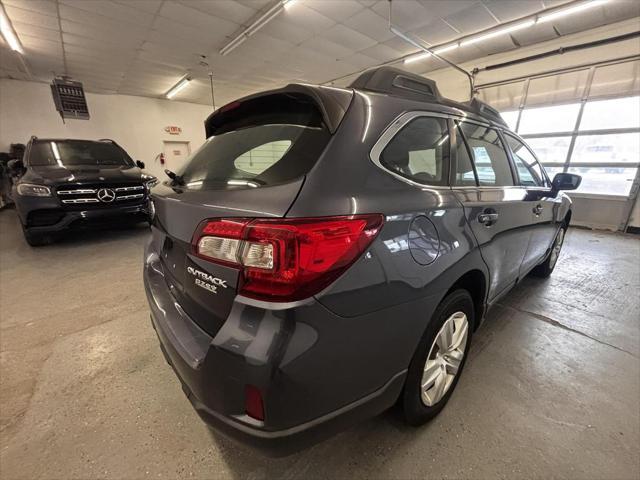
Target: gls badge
x,y
206,281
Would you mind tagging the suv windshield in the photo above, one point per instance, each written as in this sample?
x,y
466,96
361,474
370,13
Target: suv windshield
x,y
77,152
264,141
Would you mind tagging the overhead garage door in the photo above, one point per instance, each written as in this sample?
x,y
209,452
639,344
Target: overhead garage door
x,y
584,121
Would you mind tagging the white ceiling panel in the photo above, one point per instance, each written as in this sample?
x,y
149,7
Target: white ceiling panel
x,y
411,14
230,10
371,24
346,36
31,17
148,6
382,53
471,19
143,47
507,11
435,33
338,10
109,10
444,8
46,7
44,33
287,31
304,17
208,26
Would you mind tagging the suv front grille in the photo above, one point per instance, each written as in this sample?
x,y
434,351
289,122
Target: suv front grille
x,y
101,195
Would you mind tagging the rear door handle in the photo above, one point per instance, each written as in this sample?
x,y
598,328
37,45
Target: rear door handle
x,y
538,209
487,218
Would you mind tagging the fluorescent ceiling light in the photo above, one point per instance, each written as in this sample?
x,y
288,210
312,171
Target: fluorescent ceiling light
x,y
257,25
570,10
498,32
437,51
8,33
177,87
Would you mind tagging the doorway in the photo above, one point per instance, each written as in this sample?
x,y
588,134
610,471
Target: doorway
x,y
175,154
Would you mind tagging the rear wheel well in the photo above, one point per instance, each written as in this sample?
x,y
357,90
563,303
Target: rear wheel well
x,y
475,283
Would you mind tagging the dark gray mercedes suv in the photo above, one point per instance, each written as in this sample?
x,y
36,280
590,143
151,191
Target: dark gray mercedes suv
x,y
329,252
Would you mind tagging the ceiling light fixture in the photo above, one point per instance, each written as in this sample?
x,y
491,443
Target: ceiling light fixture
x,y
257,25
183,82
498,32
8,33
437,51
570,10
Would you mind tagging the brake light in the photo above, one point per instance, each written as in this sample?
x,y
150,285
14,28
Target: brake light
x,y
253,405
285,260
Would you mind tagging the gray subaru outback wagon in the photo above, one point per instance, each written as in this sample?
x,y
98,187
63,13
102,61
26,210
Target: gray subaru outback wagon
x,y
329,252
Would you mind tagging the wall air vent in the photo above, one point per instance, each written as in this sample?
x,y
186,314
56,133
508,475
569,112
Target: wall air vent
x,y
69,99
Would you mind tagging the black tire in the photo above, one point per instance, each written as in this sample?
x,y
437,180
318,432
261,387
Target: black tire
x,y
36,239
416,411
545,269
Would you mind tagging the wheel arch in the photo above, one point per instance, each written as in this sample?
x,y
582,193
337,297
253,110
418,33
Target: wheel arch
x,y
475,282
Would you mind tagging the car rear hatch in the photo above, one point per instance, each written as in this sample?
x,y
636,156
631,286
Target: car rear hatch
x,y
252,165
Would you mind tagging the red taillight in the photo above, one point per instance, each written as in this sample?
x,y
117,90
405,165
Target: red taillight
x,y
287,259
253,405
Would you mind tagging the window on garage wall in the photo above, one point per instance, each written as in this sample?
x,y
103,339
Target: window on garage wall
x,y
585,122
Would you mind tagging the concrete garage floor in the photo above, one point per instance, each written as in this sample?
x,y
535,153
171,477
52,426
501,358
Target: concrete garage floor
x,y
552,387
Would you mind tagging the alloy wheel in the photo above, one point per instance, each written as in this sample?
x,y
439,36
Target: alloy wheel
x,y
557,246
444,359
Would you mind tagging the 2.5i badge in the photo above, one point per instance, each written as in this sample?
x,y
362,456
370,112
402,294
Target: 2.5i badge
x,y
206,281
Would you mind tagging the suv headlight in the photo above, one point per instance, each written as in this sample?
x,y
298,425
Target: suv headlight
x,y
31,190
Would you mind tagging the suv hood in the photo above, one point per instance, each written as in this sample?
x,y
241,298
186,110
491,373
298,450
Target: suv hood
x,y
50,174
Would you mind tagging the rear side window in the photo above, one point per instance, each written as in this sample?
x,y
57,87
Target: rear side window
x,y
488,155
264,141
420,151
529,170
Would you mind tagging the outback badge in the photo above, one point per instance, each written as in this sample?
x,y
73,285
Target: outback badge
x,y
206,281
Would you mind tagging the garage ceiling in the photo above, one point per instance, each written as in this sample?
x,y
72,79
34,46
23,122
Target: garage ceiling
x,y
143,47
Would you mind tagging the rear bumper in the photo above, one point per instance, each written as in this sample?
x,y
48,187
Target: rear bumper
x,y
306,398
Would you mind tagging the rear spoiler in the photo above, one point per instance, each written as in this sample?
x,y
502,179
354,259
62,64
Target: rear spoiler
x,y
331,102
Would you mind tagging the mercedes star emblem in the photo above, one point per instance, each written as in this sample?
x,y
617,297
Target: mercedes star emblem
x,y
106,195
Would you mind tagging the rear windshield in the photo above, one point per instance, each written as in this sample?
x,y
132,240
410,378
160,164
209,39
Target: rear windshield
x,y
264,141
77,152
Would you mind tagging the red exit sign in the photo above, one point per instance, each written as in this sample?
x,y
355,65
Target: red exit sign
x,y
173,130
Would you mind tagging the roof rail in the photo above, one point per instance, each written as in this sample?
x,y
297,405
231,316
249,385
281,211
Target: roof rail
x,y
394,81
106,140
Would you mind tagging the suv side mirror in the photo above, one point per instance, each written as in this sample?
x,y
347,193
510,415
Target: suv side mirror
x,y
15,166
139,164
565,181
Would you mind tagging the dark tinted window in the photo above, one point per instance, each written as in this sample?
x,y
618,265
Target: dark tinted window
x,y
489,156
77,152
420,151
465,176
272,141
529,170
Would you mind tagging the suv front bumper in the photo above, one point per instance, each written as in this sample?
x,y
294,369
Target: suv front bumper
x,y
45,215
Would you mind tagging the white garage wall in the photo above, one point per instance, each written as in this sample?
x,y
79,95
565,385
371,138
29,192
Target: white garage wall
x,y
136,123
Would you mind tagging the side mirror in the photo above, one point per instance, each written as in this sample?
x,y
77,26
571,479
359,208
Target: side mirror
x,y
140,164
565,181
15,166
